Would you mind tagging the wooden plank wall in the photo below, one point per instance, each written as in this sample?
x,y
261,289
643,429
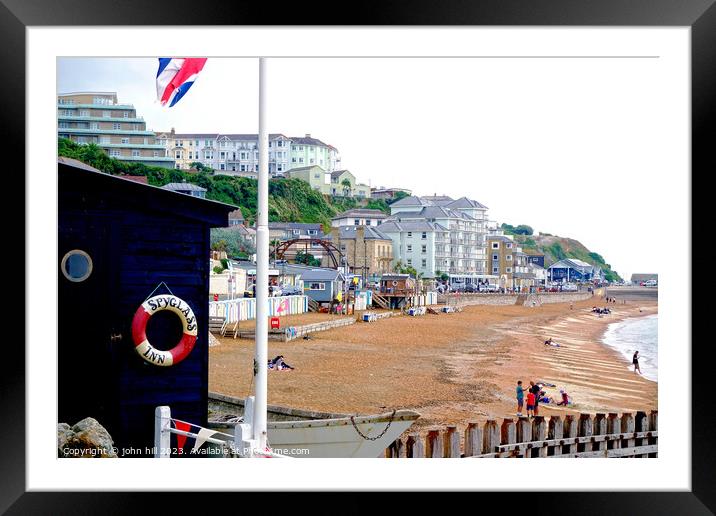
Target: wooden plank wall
x,y
581,436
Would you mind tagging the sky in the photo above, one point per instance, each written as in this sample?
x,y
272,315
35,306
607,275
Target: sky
x,y
570,147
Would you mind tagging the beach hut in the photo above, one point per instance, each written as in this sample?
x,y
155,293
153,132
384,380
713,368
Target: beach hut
x,y
119,243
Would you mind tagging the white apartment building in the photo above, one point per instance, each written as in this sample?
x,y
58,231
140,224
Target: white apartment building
x,y
462,255
237,154
419,244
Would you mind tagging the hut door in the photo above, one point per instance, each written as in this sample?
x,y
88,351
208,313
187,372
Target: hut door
x,y
85,368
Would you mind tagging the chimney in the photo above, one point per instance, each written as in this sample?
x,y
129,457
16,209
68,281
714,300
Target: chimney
x,y
308,135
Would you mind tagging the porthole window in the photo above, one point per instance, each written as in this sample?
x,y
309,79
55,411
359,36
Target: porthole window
x,y
76,265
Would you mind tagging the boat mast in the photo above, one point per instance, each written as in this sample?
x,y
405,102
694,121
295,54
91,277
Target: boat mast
x,y
262,277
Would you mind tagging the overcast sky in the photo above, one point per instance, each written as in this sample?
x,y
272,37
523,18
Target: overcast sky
x,y
567,146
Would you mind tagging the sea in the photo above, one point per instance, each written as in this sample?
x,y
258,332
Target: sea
x,y
637,334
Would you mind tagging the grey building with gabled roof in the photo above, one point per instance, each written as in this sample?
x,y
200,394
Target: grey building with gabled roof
x,y
463,254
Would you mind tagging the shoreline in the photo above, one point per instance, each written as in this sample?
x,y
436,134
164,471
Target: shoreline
x,y
624,357
451,368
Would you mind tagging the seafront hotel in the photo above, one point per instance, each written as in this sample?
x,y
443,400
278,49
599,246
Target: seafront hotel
x,y
97,117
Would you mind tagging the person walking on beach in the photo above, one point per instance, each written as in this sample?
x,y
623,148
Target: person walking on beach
x,y
635,361
520,398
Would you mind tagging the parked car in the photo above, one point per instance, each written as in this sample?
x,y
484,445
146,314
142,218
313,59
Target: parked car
x,y
570,287
490,287
291,290
471,288
650,283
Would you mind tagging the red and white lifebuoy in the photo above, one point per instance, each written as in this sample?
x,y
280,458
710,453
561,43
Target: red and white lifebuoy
x,y
139,330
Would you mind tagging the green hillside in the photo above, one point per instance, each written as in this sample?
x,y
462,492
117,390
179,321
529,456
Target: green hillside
x,y
290,200
557,248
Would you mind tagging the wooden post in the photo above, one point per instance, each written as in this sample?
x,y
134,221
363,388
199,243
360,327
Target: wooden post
x,y
556,431
391,452
524,433
473,439
539,433
653,426
586,429
433,448
451,443
491,436
628,428
414,447
600,428
571,429
508,432
614,426
641,422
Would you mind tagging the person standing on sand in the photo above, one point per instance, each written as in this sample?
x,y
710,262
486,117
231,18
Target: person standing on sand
x,y
520,398
534,389
531,404
635,361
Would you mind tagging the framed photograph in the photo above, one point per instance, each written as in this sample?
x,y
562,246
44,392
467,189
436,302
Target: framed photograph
x,y
441,232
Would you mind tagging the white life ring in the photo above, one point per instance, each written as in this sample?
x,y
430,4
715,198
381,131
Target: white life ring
x,y
395,283
139,330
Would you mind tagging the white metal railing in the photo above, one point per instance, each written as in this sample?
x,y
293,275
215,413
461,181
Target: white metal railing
x,y
239,444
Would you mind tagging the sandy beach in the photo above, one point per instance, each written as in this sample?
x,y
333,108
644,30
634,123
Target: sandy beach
x,y
451,368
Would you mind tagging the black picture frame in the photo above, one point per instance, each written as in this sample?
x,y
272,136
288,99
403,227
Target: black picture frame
x,y
700,15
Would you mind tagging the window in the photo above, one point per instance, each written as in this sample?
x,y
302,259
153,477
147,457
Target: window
x,y
115,152
410,248
410,262
424,263
300,160
106,114
63,125
117,126
317,286
495,270
410,233
156,154
296,231
76,265
496,257
311,161
508,257
125,114
222,155
343,247
84,112
222,166
312,231
177,155
356,222
495,245
242,168
293,160
509,246
196,142
508,269
125,140
424,235
424,249
135,153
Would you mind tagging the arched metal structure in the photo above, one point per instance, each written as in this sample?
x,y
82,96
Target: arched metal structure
x,y
307,245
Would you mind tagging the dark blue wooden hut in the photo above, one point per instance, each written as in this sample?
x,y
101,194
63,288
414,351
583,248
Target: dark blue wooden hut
x,y
118,241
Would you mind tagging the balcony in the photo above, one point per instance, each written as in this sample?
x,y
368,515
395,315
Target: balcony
x,y
78,118
96,106
75,130
131,145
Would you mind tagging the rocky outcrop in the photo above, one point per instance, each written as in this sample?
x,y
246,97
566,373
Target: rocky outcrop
x,y
86,439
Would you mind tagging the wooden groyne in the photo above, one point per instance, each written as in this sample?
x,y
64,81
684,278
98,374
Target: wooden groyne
x,y
575,436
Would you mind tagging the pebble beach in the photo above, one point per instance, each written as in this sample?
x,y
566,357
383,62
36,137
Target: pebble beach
x,y
451,368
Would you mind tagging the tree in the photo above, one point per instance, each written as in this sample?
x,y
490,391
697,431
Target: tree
x,y
308,259
443,276
231,241
346,183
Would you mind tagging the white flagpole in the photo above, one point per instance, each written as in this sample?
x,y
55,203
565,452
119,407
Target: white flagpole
x,y
262,277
